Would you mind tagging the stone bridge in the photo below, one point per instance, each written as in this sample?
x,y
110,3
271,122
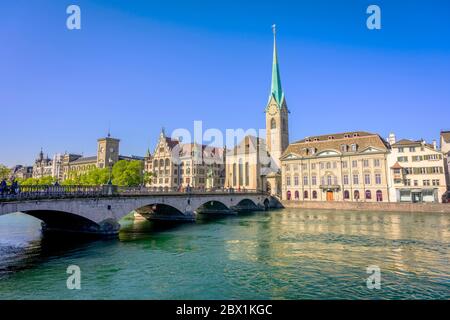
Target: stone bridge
x,y
100,213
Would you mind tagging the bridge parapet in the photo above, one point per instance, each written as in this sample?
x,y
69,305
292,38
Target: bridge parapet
x,y
104,191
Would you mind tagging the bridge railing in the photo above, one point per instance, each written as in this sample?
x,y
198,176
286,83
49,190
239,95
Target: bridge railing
x,y
56,192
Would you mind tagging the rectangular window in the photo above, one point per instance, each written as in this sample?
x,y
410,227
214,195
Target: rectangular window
x,y
408,182
400,150
344,164
355,179
412,149
313,180
365,163
345,179
296,181
247,174
288,181
376,162
426,182
402,159
304,166
313,166
416,183
377,178
367,178
321,165
305,180
354,163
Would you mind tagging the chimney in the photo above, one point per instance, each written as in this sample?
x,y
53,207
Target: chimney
x,y
391,138
434,144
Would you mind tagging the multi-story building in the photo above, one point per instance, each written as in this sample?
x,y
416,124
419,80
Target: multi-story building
x,y
42,166
416,171
107,156
21,172
265,175
347,166
176,165
248,165
445,148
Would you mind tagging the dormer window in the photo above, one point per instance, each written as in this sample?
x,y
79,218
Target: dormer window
x,y
346,135
355,134
354,147
344,148
316,139
330,137
312,150
307,140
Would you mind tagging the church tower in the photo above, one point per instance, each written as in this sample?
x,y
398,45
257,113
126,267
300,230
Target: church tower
x,y
277,124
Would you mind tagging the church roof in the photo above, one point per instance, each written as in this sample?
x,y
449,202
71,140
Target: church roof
x,y
276,90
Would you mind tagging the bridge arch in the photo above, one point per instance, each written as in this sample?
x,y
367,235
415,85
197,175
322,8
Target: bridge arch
x,y
157,210
213,207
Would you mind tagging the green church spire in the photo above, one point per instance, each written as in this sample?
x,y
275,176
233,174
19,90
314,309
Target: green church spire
x,y
276,91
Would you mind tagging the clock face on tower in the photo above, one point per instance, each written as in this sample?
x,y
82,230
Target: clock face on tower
x,y
273,109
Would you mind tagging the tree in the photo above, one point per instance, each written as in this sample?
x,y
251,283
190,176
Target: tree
x,y
127,173
47,180
4,172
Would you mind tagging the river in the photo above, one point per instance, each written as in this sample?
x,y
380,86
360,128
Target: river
x,y
282,254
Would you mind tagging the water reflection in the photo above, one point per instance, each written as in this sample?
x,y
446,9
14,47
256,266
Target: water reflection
x,y
284,254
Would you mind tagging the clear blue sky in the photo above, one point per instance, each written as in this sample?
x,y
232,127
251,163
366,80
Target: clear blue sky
x,y
140,65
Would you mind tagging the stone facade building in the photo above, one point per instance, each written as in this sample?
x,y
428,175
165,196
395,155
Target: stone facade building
x,y
445,148
21,172
175,165
107,155
42,166
347,166
416,172
248,165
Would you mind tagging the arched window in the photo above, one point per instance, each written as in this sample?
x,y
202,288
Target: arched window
x,y
161,163
167,162
305,194
288,195
329,180
314,194
379,195
346,195
273,124
297,195
368,194
356,195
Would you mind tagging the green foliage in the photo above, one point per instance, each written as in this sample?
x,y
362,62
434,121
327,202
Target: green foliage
x,y
35,181
4,172
95,177
127,173
124,173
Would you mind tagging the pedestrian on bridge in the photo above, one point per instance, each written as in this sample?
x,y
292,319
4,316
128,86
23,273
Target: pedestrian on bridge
x,y
3,187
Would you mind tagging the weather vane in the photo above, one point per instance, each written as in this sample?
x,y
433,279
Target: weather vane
x,y
274,29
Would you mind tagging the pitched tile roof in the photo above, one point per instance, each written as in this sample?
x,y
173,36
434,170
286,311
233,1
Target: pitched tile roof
x,y
334,141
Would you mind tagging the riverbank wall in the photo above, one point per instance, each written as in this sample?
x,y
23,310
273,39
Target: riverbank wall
x,y
369,206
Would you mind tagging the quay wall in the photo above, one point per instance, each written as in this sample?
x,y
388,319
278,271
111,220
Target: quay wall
x,y
369,206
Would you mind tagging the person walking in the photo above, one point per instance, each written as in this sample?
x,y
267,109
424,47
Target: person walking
x,y
3,187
